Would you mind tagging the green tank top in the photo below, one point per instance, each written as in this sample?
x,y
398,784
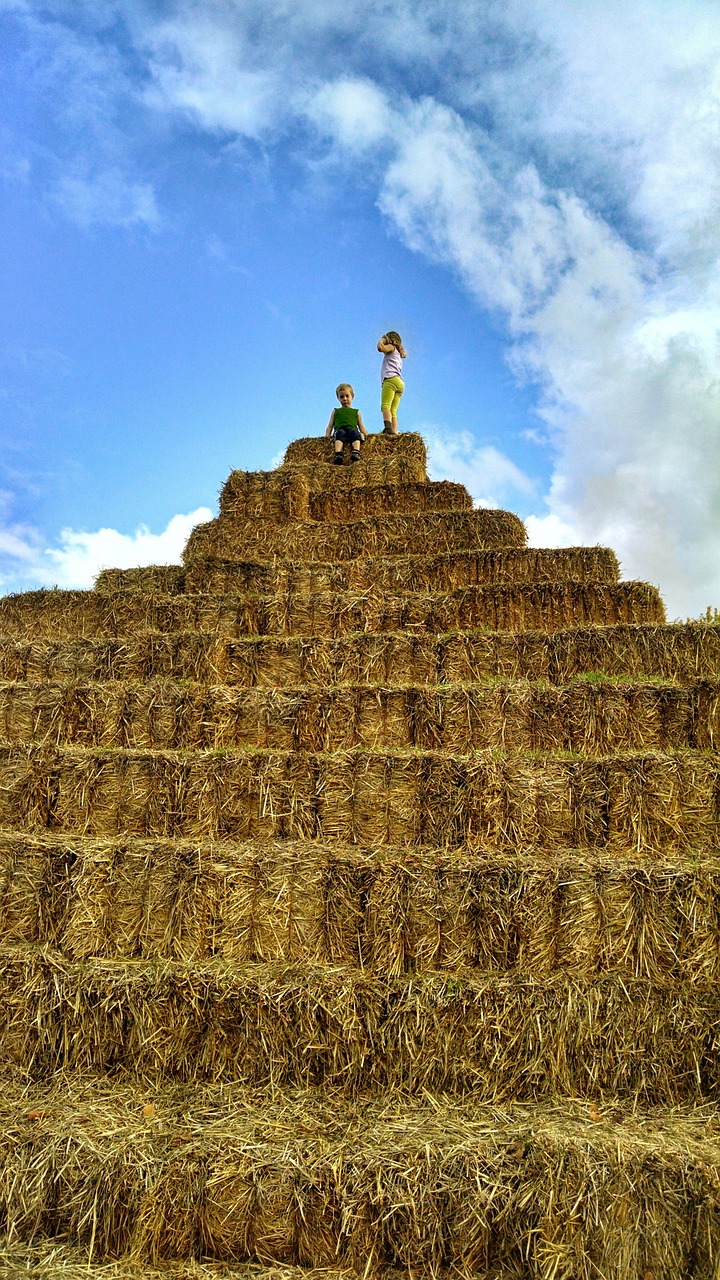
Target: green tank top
x,y
346,417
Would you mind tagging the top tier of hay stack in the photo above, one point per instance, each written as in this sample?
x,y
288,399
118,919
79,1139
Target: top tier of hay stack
x,y
361,901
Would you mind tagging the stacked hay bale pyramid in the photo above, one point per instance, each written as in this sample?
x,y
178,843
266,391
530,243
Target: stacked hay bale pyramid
x,y
361,901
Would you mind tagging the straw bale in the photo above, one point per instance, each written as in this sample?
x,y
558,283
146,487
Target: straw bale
x,y
183,656
278,1026
230,538
627,801
430,1188
525,606
388,910
445,572
343,505
164,579
287,492
310,450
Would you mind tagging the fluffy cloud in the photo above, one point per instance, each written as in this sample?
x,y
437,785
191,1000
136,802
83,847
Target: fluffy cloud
x,y
491,478
80,555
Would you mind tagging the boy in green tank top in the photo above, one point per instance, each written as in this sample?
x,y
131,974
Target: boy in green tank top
x,y
346,425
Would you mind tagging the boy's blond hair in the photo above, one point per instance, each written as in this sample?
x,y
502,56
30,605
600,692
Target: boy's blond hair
x,y
344,386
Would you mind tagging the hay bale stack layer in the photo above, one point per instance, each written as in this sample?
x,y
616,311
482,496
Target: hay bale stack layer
x,y
428,533
680,655
521,607
359,889
305,1026
586,717
446,572
383,910
644,802
377,1187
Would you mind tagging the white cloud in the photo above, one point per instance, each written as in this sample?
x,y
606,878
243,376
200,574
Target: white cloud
x,y
491,478
354,112
81,556
204,67
109,197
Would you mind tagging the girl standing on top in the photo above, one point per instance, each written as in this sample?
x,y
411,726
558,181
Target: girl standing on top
x,y
391,377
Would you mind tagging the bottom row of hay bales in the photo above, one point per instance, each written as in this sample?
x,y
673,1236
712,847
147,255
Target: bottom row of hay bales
x,y
565,1191
383,910
502,1037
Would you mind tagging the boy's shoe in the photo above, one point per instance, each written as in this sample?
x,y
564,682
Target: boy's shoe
x,y
338,460
354,456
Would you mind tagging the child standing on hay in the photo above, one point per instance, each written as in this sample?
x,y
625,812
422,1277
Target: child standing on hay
x,y
393,386
346,425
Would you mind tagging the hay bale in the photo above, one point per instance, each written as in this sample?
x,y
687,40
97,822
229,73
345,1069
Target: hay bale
x,y
265,1025
229,538
165,579
445,572
641,802
311,450
373,1185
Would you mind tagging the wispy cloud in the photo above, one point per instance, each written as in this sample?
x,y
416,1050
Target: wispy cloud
x,y
110,198
491,478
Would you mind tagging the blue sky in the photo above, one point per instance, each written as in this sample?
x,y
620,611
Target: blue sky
x,y
211,210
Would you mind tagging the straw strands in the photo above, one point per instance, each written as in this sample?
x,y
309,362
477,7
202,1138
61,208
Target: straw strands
x,y
446,572
681,654
163,579
54,1260
625,802
428,533
564,1190
584,717
500,1037
278,497
416,573
523,607
384,911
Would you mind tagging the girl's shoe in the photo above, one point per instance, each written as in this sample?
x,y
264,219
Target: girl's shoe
x,y
387,430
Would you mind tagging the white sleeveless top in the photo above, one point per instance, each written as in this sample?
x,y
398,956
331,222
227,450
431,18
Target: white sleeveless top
x,y
391,365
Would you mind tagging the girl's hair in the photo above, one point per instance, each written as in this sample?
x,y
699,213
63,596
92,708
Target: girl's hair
x,y
396,340
344,386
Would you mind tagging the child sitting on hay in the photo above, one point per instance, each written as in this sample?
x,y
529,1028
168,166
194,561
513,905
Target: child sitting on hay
x,y
346,425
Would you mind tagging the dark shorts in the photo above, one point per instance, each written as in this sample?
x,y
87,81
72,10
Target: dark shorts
x,y
348,435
